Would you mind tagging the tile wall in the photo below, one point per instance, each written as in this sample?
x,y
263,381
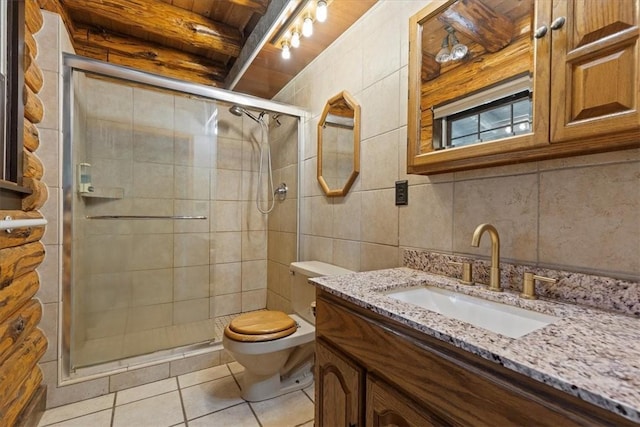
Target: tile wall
x,y
574,214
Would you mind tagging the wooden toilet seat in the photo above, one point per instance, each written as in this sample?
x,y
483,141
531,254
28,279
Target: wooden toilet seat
x,y
260,326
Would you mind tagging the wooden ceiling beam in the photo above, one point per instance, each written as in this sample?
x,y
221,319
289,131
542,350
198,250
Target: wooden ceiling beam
x,y
258,6
164,20
146,52
479,23
146,65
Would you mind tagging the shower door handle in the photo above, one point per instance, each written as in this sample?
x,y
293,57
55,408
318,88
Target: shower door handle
x,y
144,217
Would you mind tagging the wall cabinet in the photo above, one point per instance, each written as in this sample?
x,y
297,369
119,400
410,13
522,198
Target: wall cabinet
x,y
376,372
582,61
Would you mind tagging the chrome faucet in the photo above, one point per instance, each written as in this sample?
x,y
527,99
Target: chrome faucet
x,y
495,253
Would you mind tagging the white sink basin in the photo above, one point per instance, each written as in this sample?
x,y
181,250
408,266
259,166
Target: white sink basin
x,y
503,319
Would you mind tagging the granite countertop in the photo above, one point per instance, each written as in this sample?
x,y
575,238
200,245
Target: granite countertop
x,y
589,353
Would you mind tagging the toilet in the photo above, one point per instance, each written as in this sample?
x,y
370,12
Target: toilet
x,y
275,348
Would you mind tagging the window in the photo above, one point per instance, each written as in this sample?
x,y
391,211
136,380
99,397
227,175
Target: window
x,y
11,107
498,112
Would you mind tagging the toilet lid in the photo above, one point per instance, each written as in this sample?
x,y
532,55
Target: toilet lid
x,y
260,326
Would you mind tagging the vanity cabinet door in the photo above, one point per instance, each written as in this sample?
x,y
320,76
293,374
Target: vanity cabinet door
x,y
339,389
595,85
388,408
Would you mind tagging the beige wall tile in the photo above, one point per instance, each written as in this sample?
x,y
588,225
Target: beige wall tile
x,y
190,249
376,257
379,220
229,154
589,217
152,108
227,304
252,219
381,45
254,300
149,317
50,212
228,185
191,310
102,95
194,363
377,171
192,182
591,159
49,152
254,245
347,212
191,208
150,287
58,396
346,254
153,180
49,272
49,325
49,97
509,203
226,216
48,39
317,248
190,282
321,216
382,116
226,278
426,222
254,275
228,247
152,251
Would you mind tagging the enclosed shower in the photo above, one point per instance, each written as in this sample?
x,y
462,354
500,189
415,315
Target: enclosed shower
x,y
167,187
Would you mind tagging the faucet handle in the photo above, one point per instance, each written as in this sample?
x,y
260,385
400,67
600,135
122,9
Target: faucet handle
x,y
466,271
529,285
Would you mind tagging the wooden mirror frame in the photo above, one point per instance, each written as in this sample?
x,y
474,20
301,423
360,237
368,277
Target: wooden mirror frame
x,y
340,101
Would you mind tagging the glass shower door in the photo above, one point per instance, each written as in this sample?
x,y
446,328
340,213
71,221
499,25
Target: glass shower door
x,y
143,163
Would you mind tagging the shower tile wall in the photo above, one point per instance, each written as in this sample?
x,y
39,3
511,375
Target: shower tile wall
x,y
283,221
152,284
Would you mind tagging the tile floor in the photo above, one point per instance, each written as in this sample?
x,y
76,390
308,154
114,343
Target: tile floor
x,y
210,397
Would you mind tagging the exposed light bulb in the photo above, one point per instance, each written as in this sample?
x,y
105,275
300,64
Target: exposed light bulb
x,y
295,38
443,54
321,10
286,51
307,26
458,51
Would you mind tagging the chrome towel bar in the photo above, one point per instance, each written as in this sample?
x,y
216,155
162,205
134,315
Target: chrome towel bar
x,y
9,223
144,217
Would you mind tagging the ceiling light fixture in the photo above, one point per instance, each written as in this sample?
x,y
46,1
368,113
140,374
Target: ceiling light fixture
x,y
295,38
443,54
286,51
307,26
458,50
321,11
298,22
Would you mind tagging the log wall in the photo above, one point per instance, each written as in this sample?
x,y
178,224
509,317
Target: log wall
x,y
22,343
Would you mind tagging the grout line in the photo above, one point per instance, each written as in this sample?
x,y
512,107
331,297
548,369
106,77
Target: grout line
x,y
254,414
184,411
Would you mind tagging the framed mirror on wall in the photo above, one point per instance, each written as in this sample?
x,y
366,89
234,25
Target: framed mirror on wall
x,y
339,145
495,82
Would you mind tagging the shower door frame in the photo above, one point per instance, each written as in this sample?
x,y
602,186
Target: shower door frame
x,y
72,63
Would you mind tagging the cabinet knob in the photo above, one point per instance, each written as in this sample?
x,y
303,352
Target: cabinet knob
x,y
558,23
540,32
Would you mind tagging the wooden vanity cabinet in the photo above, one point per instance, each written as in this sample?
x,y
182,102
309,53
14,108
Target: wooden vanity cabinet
x,y
373,371
584,62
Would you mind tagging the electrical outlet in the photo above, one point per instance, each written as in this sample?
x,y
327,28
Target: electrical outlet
x,y
402,193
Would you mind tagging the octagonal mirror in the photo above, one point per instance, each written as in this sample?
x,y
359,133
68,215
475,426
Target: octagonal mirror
x,y
339,145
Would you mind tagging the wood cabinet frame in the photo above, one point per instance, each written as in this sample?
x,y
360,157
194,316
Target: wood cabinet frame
x,y
554,134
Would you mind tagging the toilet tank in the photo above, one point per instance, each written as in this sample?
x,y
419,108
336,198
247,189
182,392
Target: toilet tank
x,y
302,292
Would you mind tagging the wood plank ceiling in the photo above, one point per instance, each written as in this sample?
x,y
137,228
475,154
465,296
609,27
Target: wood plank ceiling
x,y
200,40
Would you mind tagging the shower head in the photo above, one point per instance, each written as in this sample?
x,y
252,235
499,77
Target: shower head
x,y
237,110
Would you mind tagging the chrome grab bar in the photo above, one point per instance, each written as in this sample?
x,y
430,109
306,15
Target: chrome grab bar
x,y
8,223
144,217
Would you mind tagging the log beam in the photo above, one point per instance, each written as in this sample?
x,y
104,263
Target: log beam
x,y
20,364
150,56
18,326
17,293
33,76
479,23
31,136
258,6
38,196
31,165
14,262
164,20
33,107
13,411
33,16
31,44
